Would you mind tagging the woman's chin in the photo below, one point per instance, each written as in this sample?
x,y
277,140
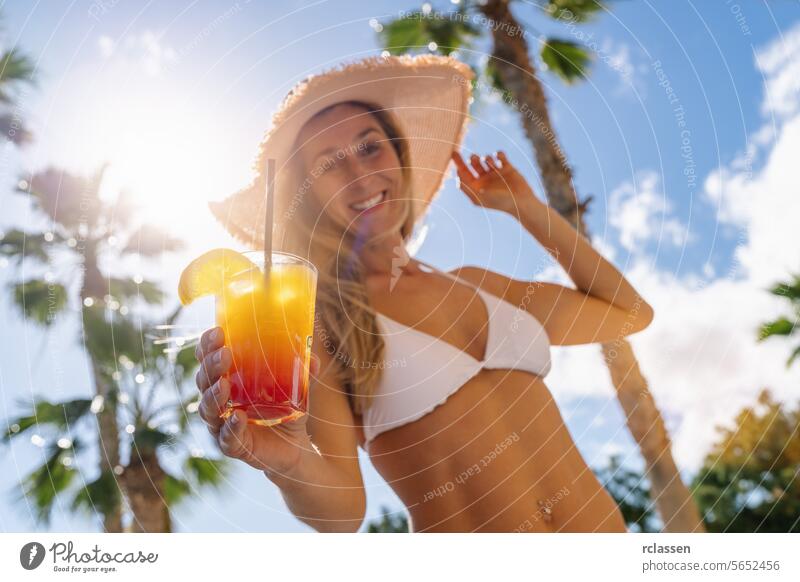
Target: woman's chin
x,y
375,221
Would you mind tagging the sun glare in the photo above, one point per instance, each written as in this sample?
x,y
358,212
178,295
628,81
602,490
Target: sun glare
x,y
164,151
165,139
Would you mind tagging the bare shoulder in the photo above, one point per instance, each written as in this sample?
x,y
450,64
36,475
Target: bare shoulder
x,y
568,315
495,283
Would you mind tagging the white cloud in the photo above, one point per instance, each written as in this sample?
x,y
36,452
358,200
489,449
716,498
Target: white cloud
x,y
700,354
773,202
145,50
106,45
765,205
641,213
779,62
617,56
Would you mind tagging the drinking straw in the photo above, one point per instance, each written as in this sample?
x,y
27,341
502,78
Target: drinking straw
x,y
268,218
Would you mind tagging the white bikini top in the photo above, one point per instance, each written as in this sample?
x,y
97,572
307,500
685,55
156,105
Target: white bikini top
x,y
421,371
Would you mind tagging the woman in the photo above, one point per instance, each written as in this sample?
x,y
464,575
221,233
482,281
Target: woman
x,y
438,376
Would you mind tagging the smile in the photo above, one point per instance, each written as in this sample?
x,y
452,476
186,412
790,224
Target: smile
x,y
369,202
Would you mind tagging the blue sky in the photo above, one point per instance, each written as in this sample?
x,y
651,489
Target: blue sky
x,y
177,95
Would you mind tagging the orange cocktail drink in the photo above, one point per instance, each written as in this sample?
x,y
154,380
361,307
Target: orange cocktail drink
x,y
268,320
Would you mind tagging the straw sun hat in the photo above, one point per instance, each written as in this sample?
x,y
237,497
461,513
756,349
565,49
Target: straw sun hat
x,y
428,96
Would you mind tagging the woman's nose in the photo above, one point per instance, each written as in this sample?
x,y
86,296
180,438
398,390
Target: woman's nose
x,y
353,170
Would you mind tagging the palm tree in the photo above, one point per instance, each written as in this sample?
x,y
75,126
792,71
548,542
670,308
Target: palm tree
x,y
16,72
511,70
153,418
62,268
785,326
389,522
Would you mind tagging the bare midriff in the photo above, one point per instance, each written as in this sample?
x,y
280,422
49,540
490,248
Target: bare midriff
x,y
496,456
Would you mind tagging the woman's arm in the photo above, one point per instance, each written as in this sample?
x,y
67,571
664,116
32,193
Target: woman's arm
x,y
313,460
325,489
604,306
590,272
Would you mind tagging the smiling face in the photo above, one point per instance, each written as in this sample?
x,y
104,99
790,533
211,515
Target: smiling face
x,y
354,168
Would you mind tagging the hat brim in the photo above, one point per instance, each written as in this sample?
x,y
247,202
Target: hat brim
x,y
427,95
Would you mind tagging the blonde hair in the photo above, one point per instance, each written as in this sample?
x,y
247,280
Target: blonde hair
x,y
344,321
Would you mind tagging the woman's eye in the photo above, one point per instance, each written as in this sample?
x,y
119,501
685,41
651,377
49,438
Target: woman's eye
x,y
370,148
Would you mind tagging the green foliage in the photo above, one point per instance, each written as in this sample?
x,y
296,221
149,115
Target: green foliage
x,y
204,471
13,130
200,472
114,339
415,31
631,491
573,10
147,439
20,245
46,482
39,300
61,415
99,496
780,326
175,489
785,326
567,59
750,481
793,356
789,290
390,522
126,288
185,362
66,199
453,30
493,76
110,337
403,35
14,68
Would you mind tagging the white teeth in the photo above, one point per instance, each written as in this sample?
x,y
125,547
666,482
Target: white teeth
x,y
369,202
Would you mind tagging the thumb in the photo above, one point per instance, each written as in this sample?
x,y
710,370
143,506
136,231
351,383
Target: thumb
x,y
236,438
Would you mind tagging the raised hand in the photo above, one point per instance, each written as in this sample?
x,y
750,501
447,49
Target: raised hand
x,y
492,182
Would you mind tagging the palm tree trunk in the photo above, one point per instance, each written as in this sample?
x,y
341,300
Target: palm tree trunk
x,y
516,71
108,441
143,480
108,430
673,499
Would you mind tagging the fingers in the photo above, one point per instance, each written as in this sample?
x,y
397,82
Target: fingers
x,y
463,170
235,439
477,165
500,163
466,177
492,164
213,403
215,365
475,160
211,340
